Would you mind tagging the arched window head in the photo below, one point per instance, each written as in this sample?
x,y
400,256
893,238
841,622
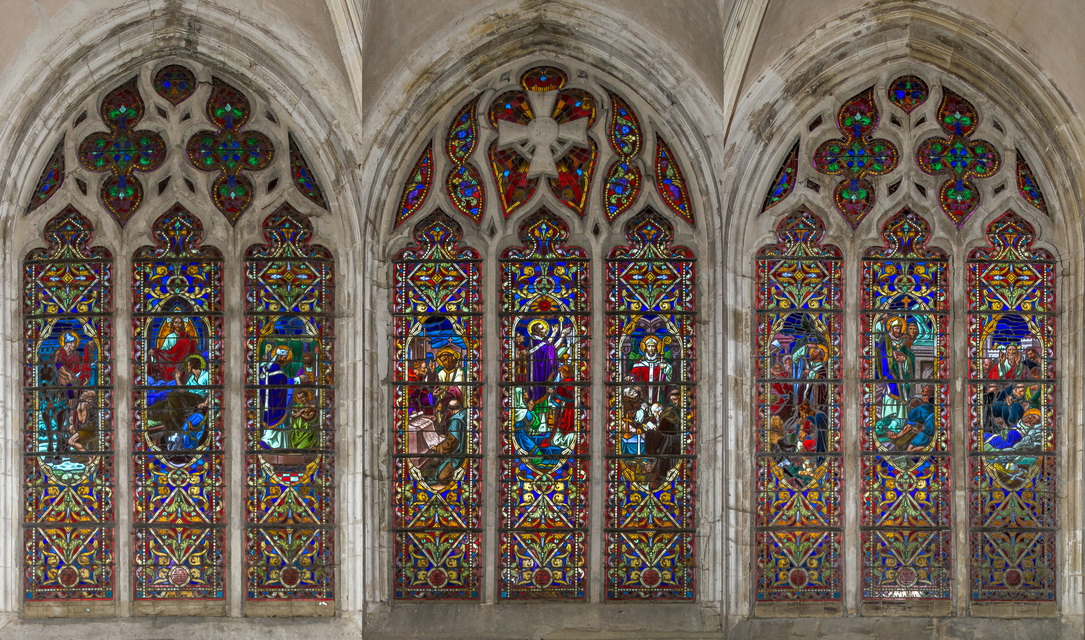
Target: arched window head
x,y
165,150
542,136
932,410
957,163
237,152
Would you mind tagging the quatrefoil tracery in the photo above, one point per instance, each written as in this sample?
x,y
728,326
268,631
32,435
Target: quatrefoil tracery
x,y
122,151
857,156
958,157
230,150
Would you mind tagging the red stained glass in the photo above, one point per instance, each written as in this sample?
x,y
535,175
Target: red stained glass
x,y
545,381
122,151
798,346
957,157
904,366
230,150
1012,435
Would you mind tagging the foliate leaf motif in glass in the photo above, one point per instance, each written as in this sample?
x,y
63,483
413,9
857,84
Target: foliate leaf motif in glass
x,y
176,83
908,93
436,417
797,427
543,445
784,182
289,418
178,443
1028,186
68,444
303,177
651,415
1012,435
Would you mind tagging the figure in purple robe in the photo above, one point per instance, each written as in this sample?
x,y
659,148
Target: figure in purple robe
x,y
544,350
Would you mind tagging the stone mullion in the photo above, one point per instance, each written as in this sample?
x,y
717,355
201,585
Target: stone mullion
x,y
123,419
958,430
233,410
851,398
491,426
597,424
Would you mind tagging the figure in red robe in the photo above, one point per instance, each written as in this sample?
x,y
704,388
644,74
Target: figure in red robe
x,y
651,370
174,349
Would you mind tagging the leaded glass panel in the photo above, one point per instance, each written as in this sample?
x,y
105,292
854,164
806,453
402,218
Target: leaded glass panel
x,y
544,449
904,413
1012,415
289,413
68,462
651,415
436,434
178,523
798,415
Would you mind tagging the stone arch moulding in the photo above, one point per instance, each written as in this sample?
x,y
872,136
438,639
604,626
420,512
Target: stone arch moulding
x,y
208,35
1020,110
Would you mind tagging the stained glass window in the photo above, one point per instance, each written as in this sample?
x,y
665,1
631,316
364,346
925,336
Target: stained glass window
x,y
177,435
68,531
1011,435
651,418
544,449
437,371
289,417
904,437
798,446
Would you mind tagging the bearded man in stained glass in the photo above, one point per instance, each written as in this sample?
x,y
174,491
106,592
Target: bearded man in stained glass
x,y
544,350
651,368
896,362
71,364
276,395
175,346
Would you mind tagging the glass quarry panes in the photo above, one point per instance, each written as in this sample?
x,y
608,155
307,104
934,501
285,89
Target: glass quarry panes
x,y
798,446
177,424
1012,416
904,434
651,415
436,435
289,413
68,530
543,443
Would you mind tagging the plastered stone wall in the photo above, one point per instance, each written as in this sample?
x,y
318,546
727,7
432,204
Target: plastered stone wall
x,y
363,82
